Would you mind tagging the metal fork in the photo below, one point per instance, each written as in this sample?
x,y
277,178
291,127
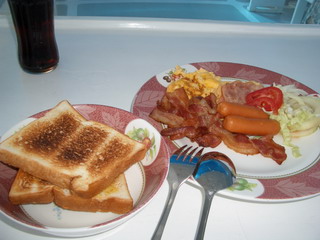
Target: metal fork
x,y
182,165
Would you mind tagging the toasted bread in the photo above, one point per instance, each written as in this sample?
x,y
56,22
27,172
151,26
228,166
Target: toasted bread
x,y
27,189
70,152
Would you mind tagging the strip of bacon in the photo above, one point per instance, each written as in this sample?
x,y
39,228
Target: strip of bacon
x,y
237,142
174,133
212,101
179,102
199,107
170,119
268,148
208,140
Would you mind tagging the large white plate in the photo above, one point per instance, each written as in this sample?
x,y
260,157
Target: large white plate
x,y
144,180
258,178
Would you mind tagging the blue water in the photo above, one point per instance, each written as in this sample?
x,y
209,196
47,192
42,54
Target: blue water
x,y
207,11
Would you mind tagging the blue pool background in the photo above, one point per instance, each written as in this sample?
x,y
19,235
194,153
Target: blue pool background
x,y
221,10
164,10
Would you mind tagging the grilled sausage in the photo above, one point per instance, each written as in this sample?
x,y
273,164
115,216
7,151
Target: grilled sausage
x,y
228,108
251,126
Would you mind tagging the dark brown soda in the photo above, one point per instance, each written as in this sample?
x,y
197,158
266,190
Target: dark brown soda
x,y
34,25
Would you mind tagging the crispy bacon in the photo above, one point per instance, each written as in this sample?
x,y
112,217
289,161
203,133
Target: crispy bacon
x,y
179,102
237,142
268,148
170,119
199,106
179,132
206,120
208,140
193,121
212,101
198,120
164,104
179,98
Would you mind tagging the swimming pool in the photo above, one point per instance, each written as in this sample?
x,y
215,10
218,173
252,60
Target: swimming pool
x,y
210,10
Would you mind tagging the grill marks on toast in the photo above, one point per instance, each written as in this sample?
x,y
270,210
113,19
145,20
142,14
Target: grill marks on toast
x,y
65,149
116,149
81,147
44,138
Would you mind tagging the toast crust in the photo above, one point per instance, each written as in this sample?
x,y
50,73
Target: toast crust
x,y
27,189
98,203
68,151
37,169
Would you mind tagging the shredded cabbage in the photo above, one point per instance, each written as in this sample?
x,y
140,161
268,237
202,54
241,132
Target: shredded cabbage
x,y
294,112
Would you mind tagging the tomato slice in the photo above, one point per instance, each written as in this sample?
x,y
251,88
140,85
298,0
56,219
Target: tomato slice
x,y
269,98
264,102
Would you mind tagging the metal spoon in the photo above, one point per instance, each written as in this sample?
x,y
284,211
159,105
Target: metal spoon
x,y
214,172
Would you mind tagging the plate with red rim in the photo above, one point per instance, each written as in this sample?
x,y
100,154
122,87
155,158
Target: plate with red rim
x,y
259,179
144,180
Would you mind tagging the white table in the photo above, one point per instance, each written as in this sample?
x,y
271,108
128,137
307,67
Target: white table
x,y
106,61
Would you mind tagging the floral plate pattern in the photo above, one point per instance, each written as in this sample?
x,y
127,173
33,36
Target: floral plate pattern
x,y
144,180
259,179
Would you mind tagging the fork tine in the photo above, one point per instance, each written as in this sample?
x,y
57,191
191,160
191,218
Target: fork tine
x,y
197,156
176,156
182,156
186,154
179,150
189,156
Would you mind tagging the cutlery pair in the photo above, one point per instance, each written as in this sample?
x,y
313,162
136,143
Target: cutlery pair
x,y
207,169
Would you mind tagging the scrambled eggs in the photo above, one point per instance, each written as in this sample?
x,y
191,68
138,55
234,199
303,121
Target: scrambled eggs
x,y
198,83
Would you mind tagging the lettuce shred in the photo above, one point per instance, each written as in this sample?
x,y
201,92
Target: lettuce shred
x,y
293,113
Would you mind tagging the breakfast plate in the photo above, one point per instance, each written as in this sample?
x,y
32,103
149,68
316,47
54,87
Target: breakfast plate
x,y
144,180
258,178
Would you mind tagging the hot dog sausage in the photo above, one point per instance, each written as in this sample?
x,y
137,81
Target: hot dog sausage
x,y
228,108
251,126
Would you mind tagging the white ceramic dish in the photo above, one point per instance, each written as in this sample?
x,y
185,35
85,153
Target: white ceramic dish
x,y
259,178
144,180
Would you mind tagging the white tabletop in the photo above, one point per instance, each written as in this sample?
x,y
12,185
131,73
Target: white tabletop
x,y
107,60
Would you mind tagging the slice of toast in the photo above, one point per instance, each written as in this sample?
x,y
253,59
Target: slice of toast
x,y
70,152
27,189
